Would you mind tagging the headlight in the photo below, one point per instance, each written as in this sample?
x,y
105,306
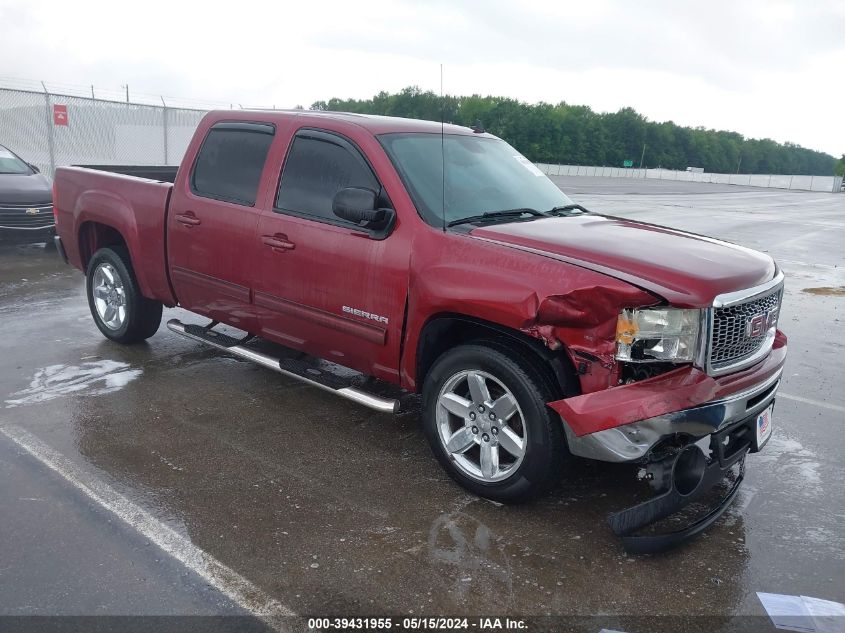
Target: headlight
x,y
659,334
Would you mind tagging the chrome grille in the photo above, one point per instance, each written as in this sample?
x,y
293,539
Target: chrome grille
x,y
731,342
16,216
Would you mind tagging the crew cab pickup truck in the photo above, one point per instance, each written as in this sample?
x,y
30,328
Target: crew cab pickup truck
x,y
439,259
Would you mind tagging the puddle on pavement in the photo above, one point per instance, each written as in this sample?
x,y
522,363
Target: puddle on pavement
x,y
791,456
826,291
90,378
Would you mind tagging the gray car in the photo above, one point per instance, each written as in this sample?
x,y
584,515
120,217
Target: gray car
x,y
26,199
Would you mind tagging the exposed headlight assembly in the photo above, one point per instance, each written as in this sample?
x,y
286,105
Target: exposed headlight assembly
x,y
651,335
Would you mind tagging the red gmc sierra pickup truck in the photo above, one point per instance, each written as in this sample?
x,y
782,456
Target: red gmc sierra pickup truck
x,y
439,259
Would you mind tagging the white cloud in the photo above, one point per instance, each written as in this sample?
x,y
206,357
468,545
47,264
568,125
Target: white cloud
x,y
763,68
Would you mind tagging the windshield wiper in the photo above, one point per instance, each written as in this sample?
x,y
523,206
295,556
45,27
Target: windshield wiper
x,y
567,209
493,215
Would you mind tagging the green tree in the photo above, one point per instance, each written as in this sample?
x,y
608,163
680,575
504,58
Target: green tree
x,y
574,134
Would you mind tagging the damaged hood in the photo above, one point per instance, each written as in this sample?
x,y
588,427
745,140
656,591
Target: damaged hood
x,y
685,269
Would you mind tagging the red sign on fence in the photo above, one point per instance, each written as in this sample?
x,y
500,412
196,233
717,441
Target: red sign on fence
x,y
59,114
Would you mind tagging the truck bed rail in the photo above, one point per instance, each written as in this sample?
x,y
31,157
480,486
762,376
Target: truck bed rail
x,y
162,173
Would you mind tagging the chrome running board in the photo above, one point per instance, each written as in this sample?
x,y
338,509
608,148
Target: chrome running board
x,y
287,367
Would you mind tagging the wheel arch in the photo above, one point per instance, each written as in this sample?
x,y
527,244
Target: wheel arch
x,y
94,235
442,332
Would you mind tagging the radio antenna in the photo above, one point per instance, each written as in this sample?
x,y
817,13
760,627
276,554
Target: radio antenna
x,y
443,148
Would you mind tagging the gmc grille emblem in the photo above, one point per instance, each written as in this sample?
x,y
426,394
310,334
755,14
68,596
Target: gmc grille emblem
x,y
759,324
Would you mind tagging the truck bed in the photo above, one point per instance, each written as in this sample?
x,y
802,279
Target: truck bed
x,y
103,198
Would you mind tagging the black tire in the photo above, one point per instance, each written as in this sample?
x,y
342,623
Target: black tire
x,y
143,315
532,387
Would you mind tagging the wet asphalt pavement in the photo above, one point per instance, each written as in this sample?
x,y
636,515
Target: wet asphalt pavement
x,y
330,508
64,554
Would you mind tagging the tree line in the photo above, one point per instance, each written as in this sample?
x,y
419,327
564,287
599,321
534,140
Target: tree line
x,y
576,135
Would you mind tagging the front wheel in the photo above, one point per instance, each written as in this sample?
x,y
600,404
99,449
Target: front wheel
x,y
486,419
119,309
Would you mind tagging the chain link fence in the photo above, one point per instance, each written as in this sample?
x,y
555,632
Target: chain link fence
x,y
50,130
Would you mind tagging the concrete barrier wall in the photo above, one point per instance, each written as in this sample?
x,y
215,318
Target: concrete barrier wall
x,y
774,181
589,170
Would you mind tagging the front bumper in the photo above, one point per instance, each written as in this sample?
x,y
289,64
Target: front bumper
x,y
35,234
684,478
624,423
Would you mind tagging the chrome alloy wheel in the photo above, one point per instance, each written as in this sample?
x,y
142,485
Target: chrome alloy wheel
x,y
109,296
481,426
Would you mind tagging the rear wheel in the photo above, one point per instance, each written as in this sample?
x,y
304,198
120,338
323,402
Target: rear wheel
x,y
486,420
120,311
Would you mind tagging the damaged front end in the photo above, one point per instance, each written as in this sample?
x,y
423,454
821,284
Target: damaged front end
x,y
583,322
680,477
668,446
653,395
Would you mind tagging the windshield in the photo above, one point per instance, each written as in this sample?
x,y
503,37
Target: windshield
x,y
11,164
483,175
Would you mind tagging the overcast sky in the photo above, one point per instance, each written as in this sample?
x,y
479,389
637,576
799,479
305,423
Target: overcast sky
x,y
763,68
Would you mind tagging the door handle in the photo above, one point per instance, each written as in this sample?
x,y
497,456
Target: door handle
x,y
278,242
188,219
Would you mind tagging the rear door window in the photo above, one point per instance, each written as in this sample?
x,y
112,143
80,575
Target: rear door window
x,y
230,162
319,165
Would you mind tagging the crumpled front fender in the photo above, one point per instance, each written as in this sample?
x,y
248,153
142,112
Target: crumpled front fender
x,y
583,321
